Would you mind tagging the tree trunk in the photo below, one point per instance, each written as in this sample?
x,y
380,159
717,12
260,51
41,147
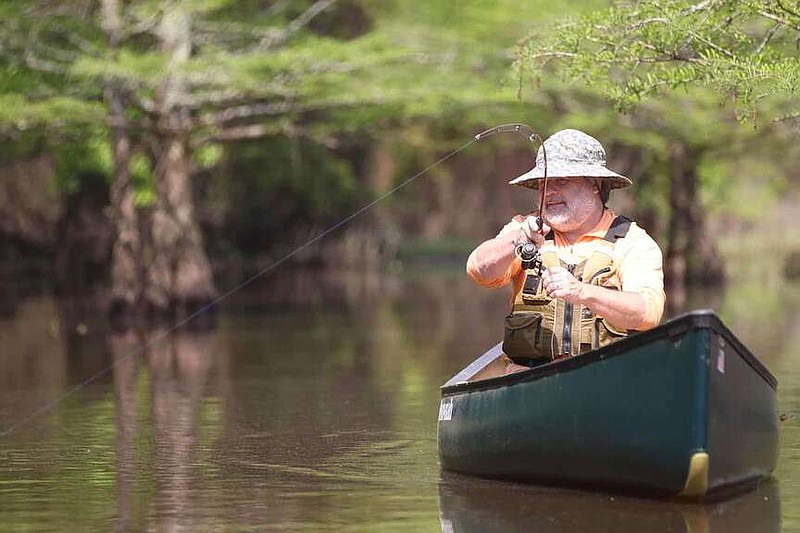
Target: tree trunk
x,y
179,281
691,254
127,280
681,197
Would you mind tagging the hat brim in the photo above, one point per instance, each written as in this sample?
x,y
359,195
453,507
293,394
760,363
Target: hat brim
x,y
532,178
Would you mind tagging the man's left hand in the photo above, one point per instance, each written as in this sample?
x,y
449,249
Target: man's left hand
x,y
559,283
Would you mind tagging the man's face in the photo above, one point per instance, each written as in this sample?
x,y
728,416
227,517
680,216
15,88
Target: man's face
x,y
570,202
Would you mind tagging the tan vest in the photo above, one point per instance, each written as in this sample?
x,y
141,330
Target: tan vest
x,y
540,328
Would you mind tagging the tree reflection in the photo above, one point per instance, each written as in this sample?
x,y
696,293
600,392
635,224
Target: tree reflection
x,y
123,348
179,365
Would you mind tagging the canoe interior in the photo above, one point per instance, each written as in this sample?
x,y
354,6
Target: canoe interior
x,y
488,368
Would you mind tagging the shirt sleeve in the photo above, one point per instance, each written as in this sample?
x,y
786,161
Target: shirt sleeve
x,y
641,271
476,264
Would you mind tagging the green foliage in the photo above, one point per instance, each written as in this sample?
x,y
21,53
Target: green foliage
x,y
18,114
742,187
75,161
389,60
282,182
427,75
358,68
672,68
208,155
143,180
744,50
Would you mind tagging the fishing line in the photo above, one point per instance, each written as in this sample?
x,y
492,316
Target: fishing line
x,y
46,407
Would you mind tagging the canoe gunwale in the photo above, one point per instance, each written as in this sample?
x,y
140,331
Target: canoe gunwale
x,y
700,319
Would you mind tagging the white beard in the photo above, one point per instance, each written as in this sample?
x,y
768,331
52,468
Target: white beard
x,y
572,213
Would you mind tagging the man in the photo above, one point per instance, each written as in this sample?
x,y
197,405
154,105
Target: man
x,y
599,275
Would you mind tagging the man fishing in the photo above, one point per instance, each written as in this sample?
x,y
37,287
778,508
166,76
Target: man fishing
x,y
590,276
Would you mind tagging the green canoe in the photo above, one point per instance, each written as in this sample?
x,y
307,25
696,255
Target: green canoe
x,y
681,410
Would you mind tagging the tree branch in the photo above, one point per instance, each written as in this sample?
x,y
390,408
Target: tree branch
x,y
713,46
551,55
701,6
779,20
214,98
262,130
281,37
642,23
227,28
787,10
249,111
277,7
767,38
43,65
140,26
787,118
665,56
239,133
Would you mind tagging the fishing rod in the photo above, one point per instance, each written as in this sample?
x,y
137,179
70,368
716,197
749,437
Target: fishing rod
x,y
532,137
527,252
509,128
530,134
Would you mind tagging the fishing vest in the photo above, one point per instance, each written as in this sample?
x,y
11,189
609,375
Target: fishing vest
x,y
541,329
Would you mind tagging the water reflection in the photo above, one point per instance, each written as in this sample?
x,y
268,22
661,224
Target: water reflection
x,y
178,366
32,368
126,364
311,407
474,505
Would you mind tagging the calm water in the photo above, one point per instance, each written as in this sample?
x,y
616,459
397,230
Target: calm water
x,y
312,407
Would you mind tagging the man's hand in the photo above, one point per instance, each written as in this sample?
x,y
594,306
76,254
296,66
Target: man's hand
x,y
624,310
529,229
559,283
492,263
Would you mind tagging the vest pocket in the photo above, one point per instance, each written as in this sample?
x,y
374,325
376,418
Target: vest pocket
x,y
523,332
540,298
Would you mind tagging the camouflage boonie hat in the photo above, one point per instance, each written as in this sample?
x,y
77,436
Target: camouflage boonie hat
x,y
571,154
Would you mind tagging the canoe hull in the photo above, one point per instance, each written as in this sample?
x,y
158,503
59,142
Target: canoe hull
x,y
683,409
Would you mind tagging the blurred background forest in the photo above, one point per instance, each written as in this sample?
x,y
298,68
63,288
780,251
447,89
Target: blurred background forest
x,y
156,153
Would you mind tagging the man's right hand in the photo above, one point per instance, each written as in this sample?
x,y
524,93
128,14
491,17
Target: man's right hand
x,y
494,262
529,229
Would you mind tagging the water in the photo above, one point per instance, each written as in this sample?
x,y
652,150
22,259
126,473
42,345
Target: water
x,y
312,407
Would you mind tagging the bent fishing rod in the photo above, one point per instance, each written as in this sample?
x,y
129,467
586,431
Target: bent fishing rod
x,y
530,134
527,252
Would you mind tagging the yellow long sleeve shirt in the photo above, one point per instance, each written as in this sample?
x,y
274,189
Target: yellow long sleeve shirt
x,y
637,257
